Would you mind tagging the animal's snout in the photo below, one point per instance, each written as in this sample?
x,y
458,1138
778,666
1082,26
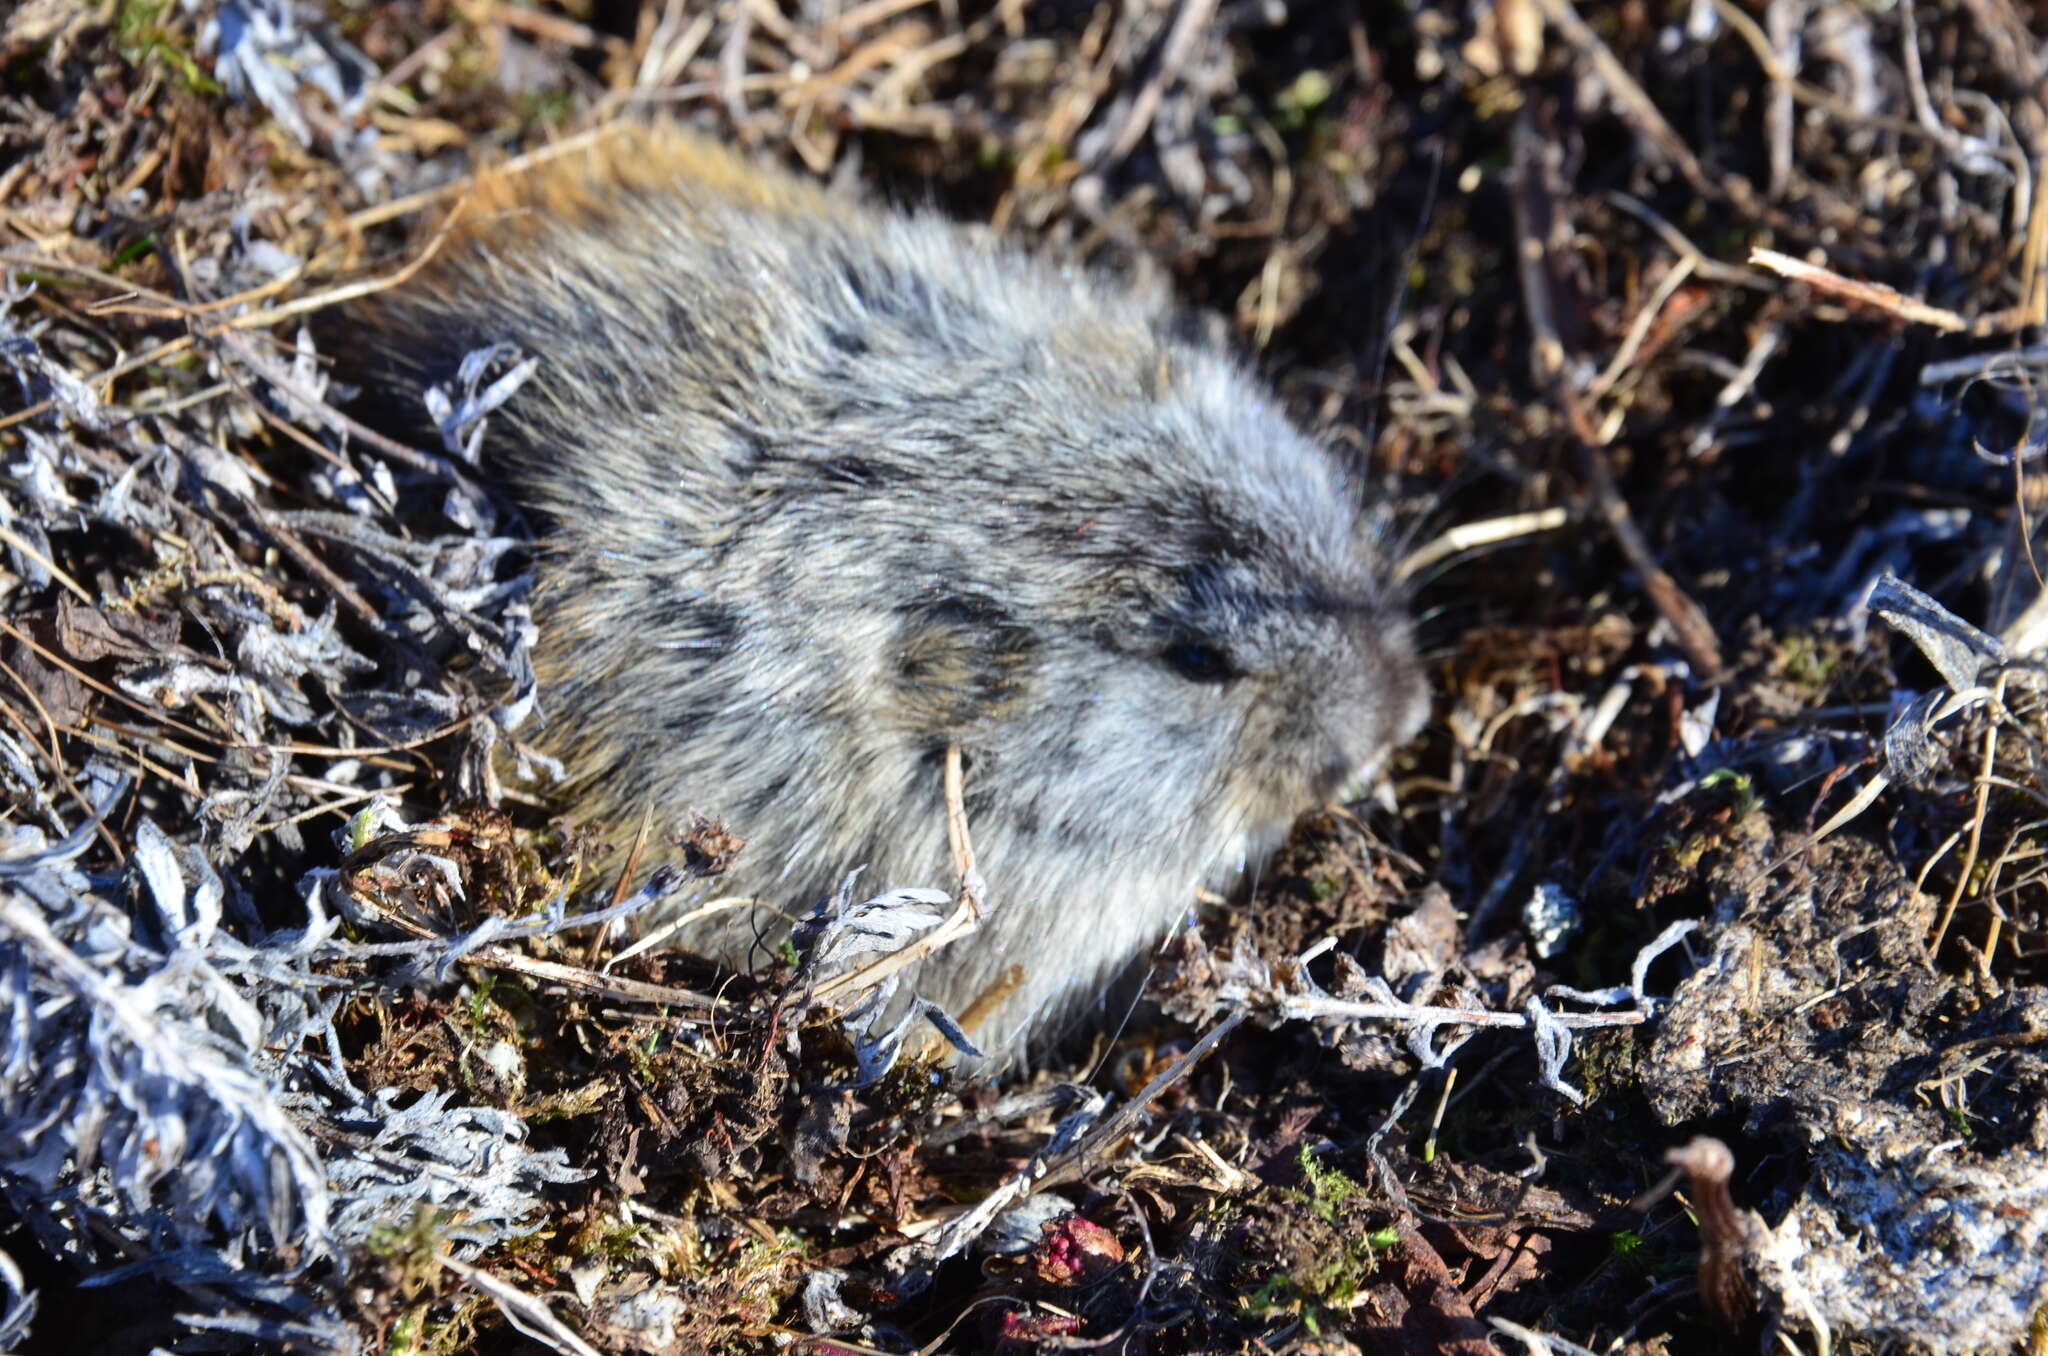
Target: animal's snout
x,y
1384,708
1407,697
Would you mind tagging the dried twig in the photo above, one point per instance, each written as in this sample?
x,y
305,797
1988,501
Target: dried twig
x,y
1875,296
1966,872
1723,1237
1534,219
529,1315
1188,23
1629,99
1470,537
966,915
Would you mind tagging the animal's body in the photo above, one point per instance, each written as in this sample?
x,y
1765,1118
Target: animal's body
x,y
828,488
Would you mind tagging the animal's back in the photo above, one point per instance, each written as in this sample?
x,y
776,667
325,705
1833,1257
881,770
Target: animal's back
x,y
828,488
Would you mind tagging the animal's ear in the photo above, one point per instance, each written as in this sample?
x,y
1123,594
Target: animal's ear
x,y
961,660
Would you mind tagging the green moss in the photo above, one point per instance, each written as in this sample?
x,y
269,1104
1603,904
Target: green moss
x,y
1338,1252
145,31
1328,1189
1802,660
417,1332
1297,104
1606,1063
611,1239
478,1006
548,107
1746,798
405,1333
1319,1294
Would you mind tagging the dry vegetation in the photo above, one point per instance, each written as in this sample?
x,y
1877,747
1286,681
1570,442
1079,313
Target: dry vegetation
x,y
1683,332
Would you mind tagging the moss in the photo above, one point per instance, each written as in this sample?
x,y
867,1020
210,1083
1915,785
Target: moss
x,y
1328,1189
410,1251
549,108
147,31
1802,659
1298,103
607,1238
1322,1245
1606,1063
1740,783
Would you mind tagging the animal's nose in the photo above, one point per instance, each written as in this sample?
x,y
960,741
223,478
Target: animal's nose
x,y
1397,704
1410,704
1402,695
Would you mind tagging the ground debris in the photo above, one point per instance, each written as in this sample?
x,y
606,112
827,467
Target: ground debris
x,y
1924,1107
1709,336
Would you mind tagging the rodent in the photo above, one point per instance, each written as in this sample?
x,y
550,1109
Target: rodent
x,y
829,487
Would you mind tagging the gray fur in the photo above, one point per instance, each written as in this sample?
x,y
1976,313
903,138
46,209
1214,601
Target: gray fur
x,y
830,487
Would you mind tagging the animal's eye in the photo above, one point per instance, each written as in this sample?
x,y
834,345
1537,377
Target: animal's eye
x,y
1198,661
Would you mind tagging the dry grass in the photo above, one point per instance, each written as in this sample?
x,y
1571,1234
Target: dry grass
x,y
1688,324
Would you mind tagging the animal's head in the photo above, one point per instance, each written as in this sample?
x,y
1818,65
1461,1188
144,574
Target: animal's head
x,y
1178,625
